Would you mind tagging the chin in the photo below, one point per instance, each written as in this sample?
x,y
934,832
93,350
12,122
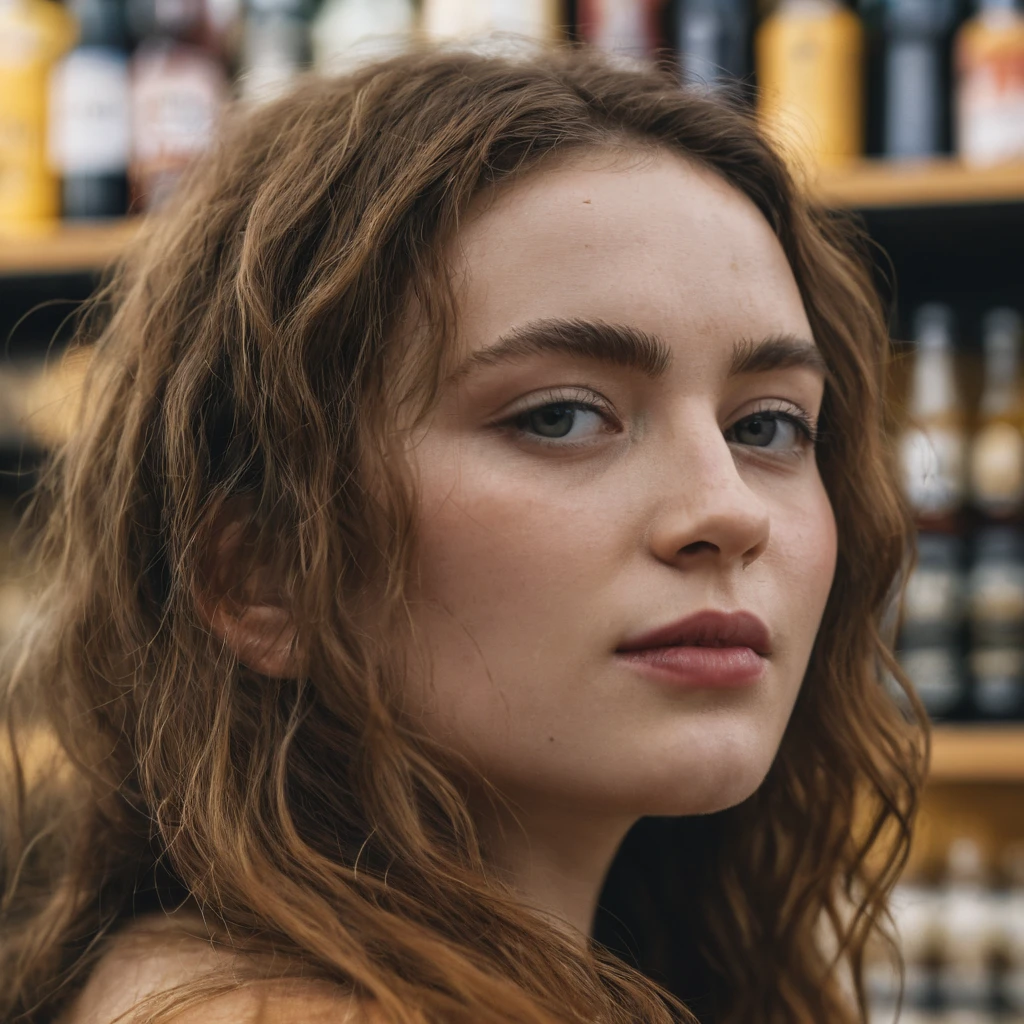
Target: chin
x,y
713,784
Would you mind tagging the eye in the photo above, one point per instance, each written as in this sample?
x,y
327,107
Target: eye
x,y
556,421
773,430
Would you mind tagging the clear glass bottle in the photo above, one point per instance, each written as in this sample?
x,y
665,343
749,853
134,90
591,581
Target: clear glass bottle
x,y
997,448
932,628
470,19
345,32
996,604
179,86
275,47
969,927
933,446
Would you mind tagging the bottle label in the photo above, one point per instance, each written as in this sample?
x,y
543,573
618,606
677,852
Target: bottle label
x,y
998,677
933,469
89,112
997,468
937,676
990,120
1013,987
177,93
177,96
32,37
623,26
933,597
997,602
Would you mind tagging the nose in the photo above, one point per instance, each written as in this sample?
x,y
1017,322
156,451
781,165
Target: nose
x,y
709,511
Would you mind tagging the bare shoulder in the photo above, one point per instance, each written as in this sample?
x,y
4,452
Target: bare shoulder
x,y
152,957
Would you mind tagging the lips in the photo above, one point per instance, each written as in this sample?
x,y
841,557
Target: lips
x,y
706,629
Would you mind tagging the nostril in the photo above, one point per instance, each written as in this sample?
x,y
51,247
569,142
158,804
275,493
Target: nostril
x,y
698,546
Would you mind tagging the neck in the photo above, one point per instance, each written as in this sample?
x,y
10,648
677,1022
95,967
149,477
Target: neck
x,y
555,856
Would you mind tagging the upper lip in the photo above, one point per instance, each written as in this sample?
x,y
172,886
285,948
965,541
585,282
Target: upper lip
x,y
707,628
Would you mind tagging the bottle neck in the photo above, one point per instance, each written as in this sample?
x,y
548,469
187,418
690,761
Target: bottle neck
x,y
934,390
1000,392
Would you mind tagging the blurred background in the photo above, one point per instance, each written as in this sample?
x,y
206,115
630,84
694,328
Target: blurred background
x,y
909,113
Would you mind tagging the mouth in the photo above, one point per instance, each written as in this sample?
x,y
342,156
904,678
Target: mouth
x,y
706,629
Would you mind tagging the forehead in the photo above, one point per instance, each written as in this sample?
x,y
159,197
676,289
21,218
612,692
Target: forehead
x,y
644,238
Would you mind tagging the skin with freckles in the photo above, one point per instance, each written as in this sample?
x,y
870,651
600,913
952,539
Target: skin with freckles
x,y
569,503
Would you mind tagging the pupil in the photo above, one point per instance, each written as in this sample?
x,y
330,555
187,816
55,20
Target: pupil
x,y
759,431
553,420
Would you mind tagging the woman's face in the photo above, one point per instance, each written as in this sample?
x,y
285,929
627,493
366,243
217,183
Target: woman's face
x,y
623,446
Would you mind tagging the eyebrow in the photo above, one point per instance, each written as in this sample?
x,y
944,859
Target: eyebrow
x,y
633,349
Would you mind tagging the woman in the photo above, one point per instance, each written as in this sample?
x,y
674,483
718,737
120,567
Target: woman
x,y
465,583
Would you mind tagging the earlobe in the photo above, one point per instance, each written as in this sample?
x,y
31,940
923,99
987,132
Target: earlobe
x,y
261,636
260,632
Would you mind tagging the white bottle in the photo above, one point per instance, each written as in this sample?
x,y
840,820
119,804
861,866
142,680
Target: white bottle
x,y
970,927
466,19
346,33
933,447
1012,930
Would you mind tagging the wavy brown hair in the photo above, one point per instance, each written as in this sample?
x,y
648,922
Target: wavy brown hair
x,y
247,360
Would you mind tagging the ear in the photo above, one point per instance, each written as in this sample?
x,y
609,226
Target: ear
x,y
252,618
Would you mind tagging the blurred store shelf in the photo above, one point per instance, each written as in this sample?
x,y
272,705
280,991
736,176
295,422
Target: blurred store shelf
x,y
878,183
870,184
71,248
978,753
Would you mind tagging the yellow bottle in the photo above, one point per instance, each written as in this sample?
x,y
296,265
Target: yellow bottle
x,y
810,58
33,35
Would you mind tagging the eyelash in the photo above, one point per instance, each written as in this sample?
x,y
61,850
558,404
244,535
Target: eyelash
x,y
791,414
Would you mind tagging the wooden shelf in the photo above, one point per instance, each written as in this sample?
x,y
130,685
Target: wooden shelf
x,y
873,184
870,184
978,753
69,248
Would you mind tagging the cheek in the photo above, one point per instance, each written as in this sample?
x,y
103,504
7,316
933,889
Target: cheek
x,y
806,539
506,562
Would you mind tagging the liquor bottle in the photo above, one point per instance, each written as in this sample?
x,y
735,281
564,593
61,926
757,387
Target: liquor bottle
x,y
996,604
454,19
275,47
34,34
1011,981
90,113
931,639
711,37
916,907
178,88
809,58
989,61
915,90
933,447
628,27
345,32
969,924
997,448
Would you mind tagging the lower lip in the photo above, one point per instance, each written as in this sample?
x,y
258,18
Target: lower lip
x,y
699,667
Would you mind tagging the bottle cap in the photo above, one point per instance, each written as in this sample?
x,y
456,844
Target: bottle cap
x,y
933,326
